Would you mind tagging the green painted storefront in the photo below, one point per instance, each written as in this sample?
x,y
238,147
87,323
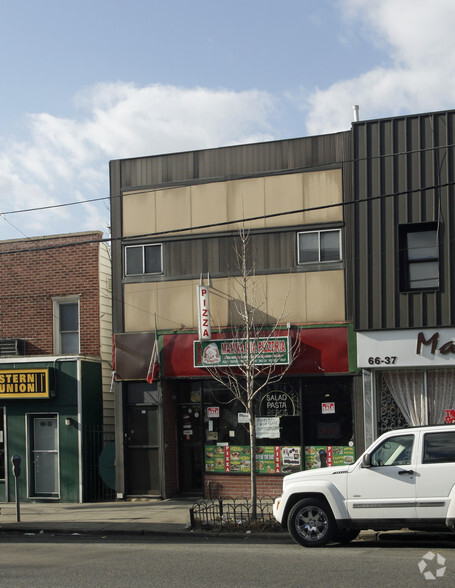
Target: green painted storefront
x,y
46,425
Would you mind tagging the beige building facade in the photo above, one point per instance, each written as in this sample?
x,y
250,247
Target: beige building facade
x,y
176,221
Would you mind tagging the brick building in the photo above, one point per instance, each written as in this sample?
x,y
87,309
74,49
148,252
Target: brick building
x,y
55,363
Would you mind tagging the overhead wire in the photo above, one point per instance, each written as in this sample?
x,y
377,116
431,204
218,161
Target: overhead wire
x,y
155,234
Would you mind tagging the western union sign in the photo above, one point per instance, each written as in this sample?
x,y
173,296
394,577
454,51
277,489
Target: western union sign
x,y
33,383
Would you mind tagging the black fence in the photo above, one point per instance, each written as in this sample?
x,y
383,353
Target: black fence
x,y
233,514
99,469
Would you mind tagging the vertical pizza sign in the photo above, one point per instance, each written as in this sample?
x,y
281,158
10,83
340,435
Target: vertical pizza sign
x,y
204,328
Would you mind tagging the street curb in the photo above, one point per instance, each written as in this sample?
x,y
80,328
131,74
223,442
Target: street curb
x,y
46,530
206,534
367,536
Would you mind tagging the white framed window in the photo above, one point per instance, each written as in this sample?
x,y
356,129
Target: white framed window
x,y
143,259
319,246
419,256
66,325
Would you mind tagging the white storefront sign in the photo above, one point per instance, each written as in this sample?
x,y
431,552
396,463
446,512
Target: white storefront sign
x,y
423,348
268,427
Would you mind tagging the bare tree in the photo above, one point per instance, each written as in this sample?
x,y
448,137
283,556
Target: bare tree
x,y
251,341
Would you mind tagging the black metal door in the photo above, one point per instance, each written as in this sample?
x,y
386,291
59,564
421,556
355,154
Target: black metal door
x,y
143,464
190,441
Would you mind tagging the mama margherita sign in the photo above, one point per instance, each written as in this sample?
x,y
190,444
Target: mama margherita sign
x,y
27,383
233,352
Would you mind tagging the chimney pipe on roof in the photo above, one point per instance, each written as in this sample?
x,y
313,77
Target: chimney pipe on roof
x,y
355,108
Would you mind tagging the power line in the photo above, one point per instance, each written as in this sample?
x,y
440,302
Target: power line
x,y
275,172
51,206
157,234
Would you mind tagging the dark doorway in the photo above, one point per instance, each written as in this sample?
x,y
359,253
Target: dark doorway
x,y
327,412
143,451
190,450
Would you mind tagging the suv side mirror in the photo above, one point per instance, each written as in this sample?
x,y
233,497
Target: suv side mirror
x,y
366,461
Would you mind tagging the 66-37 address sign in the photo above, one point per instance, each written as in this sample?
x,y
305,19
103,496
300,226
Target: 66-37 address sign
x,y
388,360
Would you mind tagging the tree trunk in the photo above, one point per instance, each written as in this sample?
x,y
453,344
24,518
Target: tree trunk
x,y
253,484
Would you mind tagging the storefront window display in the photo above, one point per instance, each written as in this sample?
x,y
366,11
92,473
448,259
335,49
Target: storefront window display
x,y
327,423
299,424
422,397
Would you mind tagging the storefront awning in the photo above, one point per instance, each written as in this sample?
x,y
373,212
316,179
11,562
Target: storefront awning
x,y
132,353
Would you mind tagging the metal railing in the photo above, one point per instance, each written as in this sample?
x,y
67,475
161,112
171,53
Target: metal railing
x,y
233,514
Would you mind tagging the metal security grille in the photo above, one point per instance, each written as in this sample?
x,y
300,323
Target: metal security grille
x,y
390,416
99,469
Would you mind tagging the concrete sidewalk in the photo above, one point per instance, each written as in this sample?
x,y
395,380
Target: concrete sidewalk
x,y
138,517
143,517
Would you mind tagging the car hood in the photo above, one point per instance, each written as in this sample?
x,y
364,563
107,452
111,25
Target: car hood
x,y
316,474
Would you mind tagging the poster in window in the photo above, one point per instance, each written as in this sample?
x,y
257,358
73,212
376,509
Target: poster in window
x,y
320,456
215,458
237,459
290,459
268,427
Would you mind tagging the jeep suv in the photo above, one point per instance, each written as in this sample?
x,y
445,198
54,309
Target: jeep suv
x,y
405,479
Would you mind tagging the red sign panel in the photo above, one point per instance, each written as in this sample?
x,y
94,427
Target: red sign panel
x,y
321,350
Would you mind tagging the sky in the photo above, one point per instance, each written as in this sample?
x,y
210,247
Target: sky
x,y
86,82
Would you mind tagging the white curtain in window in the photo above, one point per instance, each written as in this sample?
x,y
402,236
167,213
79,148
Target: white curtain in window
x,y
441,394
409,392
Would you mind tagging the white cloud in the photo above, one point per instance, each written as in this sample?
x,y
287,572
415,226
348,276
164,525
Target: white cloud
x,y
62,158
129,121
418,37
66,159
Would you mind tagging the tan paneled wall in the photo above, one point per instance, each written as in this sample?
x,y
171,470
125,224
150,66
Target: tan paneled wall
x,y
301,297
153,211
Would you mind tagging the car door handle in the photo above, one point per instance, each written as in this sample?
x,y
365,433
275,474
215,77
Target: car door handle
x,y
402,472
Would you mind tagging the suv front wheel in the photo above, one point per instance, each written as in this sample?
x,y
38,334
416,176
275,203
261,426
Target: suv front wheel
x,y
311,523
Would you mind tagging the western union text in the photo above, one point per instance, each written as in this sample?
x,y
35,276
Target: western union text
x,y
22,383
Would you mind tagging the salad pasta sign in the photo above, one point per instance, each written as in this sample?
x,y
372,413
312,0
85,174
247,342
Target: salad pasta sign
x,y
234,352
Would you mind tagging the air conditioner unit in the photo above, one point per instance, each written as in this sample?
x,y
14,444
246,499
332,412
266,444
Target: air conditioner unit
x,y
12,347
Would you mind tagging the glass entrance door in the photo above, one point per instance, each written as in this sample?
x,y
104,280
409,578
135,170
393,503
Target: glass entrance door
x,y
45,456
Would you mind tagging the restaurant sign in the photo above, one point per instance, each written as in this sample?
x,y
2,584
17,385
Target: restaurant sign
x,y
24,383
234,352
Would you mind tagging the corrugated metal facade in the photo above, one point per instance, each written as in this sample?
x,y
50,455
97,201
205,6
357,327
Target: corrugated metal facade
x,y
229,162
403,172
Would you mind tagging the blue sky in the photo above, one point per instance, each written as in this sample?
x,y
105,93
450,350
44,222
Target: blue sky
x,y
83,83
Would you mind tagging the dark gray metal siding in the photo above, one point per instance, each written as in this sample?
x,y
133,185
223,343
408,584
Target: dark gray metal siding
x,y
271,252
403,172
229,162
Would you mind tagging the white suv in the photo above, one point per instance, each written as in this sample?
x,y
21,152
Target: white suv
x,y
405,479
